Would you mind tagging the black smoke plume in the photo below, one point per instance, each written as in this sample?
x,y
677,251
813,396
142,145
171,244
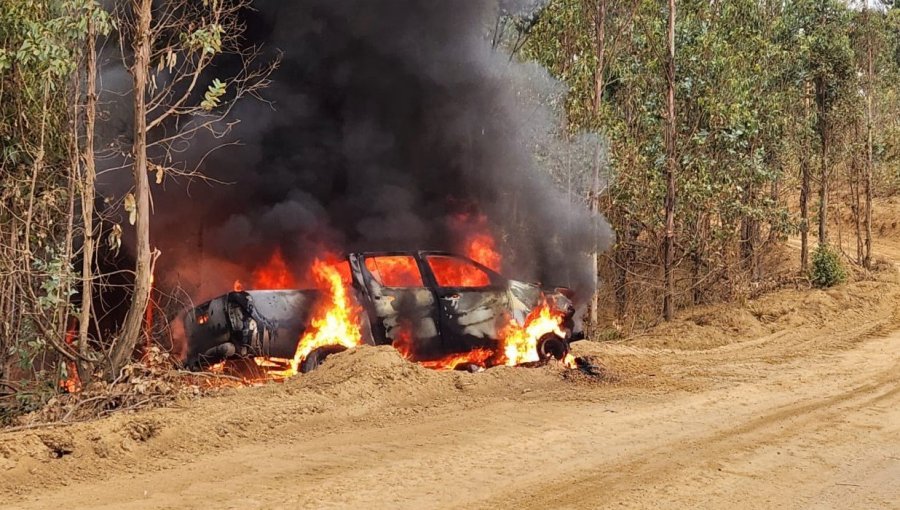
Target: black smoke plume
x,y
386,120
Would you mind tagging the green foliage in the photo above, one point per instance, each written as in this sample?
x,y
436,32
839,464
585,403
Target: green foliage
x,y
213,95
43,37
55,280
41,47
827,268
207,39
747,113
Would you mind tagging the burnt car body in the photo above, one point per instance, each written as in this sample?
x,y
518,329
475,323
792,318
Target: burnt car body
x,y
455,310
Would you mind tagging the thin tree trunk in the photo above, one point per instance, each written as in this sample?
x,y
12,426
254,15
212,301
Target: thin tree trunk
x,y
66,325
804,191
823,200
870,89
749,234
856,207
595,256
622,259
598,160
804,213
669,247
821,103
64,289
125,344
87,203
599,79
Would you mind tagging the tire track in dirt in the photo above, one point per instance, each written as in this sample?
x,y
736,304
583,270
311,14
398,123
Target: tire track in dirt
x,y
648,469
535,451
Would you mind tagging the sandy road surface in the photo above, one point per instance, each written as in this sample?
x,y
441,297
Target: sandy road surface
x,y
810,433
790,401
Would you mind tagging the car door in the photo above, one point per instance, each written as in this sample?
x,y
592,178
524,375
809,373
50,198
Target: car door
x,y
473,301
402,309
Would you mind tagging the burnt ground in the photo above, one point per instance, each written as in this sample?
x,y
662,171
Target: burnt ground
x,y
791,401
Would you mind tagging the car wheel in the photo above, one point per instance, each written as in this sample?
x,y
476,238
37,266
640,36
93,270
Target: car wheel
x,y
552,346
317,357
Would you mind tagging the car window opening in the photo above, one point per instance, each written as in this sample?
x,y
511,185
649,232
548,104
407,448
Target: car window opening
x,y
395,271
457,272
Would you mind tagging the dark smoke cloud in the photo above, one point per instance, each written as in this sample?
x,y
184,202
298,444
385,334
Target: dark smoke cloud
x,y
387,118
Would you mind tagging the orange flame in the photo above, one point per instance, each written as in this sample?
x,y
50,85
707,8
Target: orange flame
x,y
519,343
453,272
335,318
478,243
481,248
274,275
72,383
477,357
395,271
148,316
403,342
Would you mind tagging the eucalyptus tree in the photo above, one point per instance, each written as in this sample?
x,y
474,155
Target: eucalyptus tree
x,y
41,46
169,48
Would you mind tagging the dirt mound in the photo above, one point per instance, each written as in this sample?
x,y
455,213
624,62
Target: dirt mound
x,y
711,326
871,304
381,377
363,385
886,220
373,376
365,366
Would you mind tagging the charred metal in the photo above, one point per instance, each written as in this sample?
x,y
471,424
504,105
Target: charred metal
x,y
439,314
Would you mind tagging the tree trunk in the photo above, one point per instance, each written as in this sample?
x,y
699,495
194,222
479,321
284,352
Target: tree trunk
x,y
599,80
595,256
823,200
621,258
855,206
870,89
822,126
749,235
125,344
595,178
804,213
669,247
87,203
804,191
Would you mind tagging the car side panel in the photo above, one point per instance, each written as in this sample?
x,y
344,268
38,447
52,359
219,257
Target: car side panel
x,y
395,311
255,323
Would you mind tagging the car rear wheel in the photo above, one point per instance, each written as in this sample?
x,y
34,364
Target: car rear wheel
x,y
317,357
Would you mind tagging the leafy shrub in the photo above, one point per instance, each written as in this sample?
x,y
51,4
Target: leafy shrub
x,y
827,267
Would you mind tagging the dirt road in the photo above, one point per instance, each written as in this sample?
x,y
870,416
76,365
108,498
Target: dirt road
x,y
802,413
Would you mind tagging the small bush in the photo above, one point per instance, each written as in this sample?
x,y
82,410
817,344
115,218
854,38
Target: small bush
x,y
827,268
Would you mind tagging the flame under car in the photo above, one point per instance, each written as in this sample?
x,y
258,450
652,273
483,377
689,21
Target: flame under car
x,y
432,306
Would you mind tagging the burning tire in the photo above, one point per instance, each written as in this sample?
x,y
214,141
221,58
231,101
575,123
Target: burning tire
x,y
317,357
551,345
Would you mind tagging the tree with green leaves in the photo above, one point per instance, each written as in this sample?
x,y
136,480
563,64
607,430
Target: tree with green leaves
x,y
170,47
41,46
762,91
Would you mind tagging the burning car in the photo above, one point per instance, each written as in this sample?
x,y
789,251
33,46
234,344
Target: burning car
x,y
440,309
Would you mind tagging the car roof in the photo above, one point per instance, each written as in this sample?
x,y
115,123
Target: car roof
x,y
421,253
